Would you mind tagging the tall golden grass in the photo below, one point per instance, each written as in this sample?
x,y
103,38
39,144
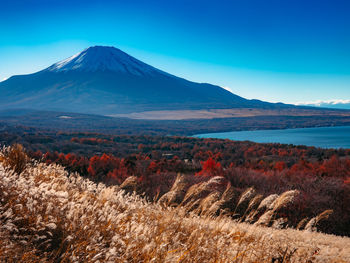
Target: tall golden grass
x,y
48,215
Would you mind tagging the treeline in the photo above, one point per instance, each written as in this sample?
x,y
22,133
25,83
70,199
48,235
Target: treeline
x,y
322,176
260,157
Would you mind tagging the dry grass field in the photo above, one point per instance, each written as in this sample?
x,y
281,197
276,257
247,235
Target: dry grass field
x,y
47,215
229,113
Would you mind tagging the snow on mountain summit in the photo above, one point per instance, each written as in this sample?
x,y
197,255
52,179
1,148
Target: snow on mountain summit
x,y
101,58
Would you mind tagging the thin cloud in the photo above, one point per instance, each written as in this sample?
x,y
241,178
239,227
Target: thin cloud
x,y
325,102
227,88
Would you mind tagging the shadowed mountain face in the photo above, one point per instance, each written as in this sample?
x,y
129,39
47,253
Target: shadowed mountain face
x,y
105,80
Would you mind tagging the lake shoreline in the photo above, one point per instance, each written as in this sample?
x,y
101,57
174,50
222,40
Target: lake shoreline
x,y
323,137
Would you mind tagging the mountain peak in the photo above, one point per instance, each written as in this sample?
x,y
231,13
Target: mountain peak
x,y
104,58
106,80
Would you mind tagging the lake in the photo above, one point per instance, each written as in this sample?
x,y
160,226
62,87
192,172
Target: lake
x,y
325,137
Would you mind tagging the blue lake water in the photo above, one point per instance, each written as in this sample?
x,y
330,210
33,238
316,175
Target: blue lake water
x,y
325,137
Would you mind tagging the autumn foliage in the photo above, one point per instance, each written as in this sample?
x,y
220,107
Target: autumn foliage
x,y
321,176
50,215
210,168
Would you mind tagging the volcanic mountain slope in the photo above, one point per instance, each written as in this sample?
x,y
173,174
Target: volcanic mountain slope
x,y
105,80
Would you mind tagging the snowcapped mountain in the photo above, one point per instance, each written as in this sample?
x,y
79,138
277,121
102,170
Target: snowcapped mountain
x,y
99,58
105,80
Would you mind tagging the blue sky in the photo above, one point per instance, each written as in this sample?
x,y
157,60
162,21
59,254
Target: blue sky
x,y
290,51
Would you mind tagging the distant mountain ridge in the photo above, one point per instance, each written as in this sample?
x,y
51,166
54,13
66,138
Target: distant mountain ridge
x,y
106,80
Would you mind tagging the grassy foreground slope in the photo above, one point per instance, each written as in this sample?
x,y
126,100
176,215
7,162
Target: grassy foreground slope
x,y
47,215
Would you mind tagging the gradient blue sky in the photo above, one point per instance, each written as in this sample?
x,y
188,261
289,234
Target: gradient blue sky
x,y
274,50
